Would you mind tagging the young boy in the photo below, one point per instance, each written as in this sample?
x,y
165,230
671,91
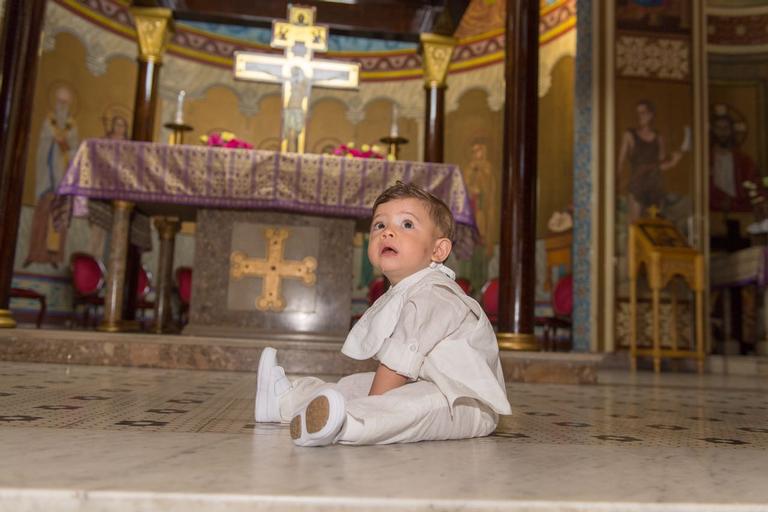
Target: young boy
x,y
439,374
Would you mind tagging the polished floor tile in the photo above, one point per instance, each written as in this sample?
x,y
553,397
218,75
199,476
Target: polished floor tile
x,y
642,414
128,439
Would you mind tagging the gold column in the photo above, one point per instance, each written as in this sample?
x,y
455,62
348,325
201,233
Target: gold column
x,y
113,300
436,52
153,29
167,227
517,341
154,25
6,319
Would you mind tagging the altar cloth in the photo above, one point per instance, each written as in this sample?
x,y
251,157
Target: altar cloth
x,y
213,177
740,268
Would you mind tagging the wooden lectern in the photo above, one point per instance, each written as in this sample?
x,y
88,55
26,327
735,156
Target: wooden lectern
x,y
657,244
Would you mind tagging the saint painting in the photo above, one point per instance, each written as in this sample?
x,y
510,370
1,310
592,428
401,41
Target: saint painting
x,y
57,142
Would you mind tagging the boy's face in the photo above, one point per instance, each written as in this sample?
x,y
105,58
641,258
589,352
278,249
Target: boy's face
x,y
404,239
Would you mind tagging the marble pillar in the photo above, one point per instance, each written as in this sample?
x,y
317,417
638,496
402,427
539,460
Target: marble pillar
x,y
436,53
22,25
517,279
113,299
167,227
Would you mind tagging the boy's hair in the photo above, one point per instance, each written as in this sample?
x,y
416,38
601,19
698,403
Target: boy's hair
x,y
439,212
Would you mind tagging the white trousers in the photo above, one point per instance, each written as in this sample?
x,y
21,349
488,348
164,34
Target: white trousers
x,y
416,411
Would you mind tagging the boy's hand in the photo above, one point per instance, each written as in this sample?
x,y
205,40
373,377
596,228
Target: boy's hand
x,y
385,380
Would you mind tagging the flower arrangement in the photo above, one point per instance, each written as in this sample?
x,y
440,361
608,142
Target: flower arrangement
x,y
225,140
366,151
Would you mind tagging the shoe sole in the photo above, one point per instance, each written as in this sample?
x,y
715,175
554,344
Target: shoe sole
x,y
315,417
296,427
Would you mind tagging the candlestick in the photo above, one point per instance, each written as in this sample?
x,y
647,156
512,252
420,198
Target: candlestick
x,y
394,144
179,118
393,133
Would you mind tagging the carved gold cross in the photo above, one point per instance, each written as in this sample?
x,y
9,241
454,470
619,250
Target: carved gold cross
x,y
273,269
297,71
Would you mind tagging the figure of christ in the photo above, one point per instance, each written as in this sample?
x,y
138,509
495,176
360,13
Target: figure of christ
x,y
439,373
298,74
295,107
730,168
58,139
644,150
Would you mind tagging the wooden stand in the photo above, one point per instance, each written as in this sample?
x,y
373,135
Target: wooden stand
x,y
657,244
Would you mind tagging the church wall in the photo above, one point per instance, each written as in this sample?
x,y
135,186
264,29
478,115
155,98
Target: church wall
x,y
97,102
217,110
96,99
654,148
473,140
555,155
98,67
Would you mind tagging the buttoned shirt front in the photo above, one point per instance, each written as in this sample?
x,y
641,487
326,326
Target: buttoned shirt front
x,y
426,327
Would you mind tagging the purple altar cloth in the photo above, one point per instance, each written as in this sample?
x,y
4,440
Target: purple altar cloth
x,y
211,177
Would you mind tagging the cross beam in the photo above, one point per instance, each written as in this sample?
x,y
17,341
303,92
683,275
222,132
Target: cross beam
x,y
299,37
273,269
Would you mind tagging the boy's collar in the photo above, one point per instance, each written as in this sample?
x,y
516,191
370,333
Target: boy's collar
x,y
416,276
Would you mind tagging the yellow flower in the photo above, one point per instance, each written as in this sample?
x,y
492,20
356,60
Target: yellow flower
x,y
350,144
204,139
391,157
350,155
365,147
227,136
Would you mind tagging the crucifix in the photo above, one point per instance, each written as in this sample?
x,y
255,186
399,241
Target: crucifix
x,y
296,70
273,269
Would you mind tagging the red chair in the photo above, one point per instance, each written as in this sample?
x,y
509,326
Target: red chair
x,y
465,285
87,282
143,288
489,299
184,290
377,288
25,293
562,308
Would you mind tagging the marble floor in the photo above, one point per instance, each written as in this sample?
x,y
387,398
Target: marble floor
x,y
129,439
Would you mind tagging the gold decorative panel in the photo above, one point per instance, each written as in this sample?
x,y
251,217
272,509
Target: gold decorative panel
x,y
273,269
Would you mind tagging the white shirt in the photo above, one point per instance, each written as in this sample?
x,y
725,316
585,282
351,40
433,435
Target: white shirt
x,y
426,327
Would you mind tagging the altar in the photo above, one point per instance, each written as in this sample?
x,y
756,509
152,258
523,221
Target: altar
x,y
274,237
730,274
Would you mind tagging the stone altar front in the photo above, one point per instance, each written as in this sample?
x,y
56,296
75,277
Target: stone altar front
x,y
246,188
227,301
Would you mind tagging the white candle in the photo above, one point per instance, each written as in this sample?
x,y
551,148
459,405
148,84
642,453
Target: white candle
x,y
393,129
179,118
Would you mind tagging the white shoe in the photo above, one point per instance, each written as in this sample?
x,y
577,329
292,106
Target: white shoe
x,y
271,383
321,420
